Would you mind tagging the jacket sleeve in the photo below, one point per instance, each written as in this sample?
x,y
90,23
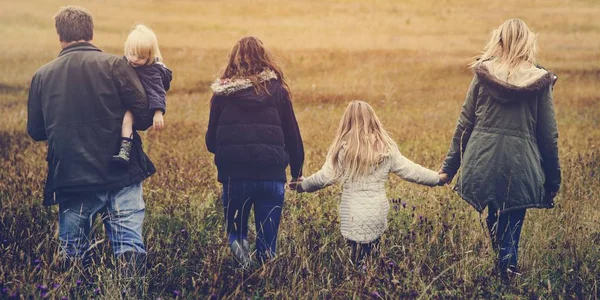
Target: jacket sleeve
x,y
132,94
321,179
157,95
213,123
464,128
291,132
35,118
410,171
547,138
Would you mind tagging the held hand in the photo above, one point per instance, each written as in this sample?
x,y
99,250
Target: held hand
x,y
158,121
295,184
444,177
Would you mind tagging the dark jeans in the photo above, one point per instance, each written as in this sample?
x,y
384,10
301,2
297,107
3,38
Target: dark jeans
x,y
360,251
505,231
267,198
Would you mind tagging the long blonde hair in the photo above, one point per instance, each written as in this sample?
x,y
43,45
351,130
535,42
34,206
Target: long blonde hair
x,y
360,143
248,59
142,41
512,44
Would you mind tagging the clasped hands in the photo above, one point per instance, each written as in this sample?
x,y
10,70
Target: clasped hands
x,y
444,178
295,184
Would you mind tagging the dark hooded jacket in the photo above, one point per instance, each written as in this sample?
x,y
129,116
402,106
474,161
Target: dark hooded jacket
x,y
506,141
77,103
254,136
156,79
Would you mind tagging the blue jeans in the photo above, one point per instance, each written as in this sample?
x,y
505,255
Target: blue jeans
x,y
505,231
267,198
122,212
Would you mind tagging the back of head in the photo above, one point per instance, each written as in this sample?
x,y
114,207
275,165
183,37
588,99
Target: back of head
x,y
248,59
74,24
360,143
511,46
142,41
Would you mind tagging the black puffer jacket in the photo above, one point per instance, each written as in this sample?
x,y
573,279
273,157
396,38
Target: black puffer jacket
x,y
253,136
77,103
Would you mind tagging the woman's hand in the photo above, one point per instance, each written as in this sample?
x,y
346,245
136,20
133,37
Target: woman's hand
x,y
295,184
444,178
158,121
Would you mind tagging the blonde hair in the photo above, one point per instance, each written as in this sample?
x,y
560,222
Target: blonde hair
x,y
512,44
360,143
141,41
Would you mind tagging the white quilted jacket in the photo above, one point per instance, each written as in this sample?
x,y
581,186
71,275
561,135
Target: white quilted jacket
x,y
364,207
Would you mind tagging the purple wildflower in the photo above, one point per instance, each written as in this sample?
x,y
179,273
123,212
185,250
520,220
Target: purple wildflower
x,y
55,286
396,207
182,230
78,282
421,218
176,293
37,261
375,294
403,204
414,207
97,291
391,264
44,294
64,298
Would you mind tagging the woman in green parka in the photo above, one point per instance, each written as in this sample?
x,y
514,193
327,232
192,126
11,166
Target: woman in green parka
x,y
506,138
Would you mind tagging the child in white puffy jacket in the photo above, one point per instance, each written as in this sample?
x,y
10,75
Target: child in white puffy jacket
x,y
361,157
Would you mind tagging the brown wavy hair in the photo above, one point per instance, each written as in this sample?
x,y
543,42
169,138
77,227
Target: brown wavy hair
x,y
248,59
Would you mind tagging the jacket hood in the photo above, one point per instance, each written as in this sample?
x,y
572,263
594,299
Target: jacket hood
x,y
240,91
167,75
228,86
519,86
158,68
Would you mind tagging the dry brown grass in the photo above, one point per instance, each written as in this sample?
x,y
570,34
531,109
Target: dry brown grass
x,y
406,58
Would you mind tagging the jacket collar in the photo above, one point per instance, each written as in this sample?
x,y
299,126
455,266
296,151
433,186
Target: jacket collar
x,y
226,86
528,79
83,46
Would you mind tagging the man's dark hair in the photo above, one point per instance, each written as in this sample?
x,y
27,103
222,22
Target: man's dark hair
x,y
73,24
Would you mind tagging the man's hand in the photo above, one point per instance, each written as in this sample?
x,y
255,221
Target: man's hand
x,y
158,121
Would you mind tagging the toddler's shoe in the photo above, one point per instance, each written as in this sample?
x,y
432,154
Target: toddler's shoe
x,y
124,151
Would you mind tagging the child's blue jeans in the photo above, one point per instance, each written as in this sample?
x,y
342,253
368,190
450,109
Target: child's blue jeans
x,y
267,198
122,212
505,230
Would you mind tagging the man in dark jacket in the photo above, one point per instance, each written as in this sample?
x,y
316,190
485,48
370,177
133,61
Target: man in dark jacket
x,y
77,103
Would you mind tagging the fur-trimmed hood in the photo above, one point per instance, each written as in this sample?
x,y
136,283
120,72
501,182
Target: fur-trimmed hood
x,y
229,86
521,83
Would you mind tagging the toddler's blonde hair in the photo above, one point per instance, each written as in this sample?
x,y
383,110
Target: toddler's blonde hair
x,y
360,144
142,41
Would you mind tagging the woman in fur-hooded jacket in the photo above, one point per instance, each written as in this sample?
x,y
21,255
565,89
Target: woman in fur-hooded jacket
x,y
254,135
506,138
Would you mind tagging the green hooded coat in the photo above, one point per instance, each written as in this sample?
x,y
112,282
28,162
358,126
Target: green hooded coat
x,y
506,140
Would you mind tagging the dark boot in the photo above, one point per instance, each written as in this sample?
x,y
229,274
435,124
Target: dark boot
x,y
124,151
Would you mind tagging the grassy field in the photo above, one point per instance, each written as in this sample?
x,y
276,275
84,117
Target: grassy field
x,y
407,58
